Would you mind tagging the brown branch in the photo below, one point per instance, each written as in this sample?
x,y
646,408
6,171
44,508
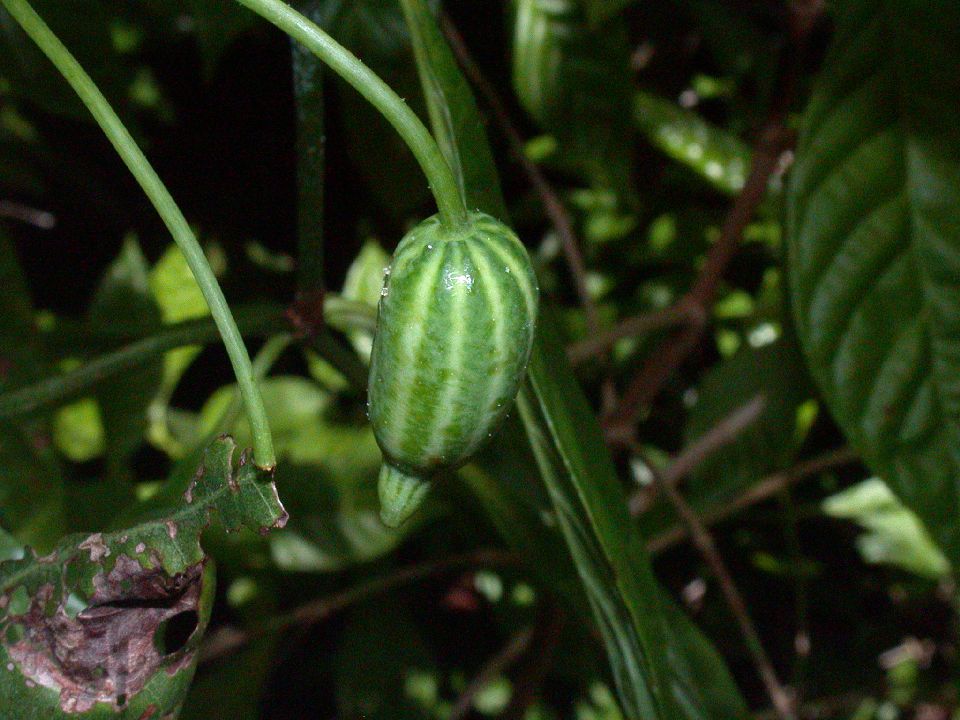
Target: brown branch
x,y
228,640
678,314
767,488
494,668
716,438
824,708
661,365
779,697
554,208
42,219
773,139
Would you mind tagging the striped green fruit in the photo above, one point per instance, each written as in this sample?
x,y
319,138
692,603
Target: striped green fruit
x,y
454,333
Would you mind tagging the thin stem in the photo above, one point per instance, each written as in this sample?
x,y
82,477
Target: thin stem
x,y
802,18
726,431
779,697
176,223
679,314
60,388
515,648
553,206
443,184
339,313
765,489
264,360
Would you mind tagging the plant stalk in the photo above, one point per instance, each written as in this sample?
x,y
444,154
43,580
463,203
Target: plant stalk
x,y
443,184
167,208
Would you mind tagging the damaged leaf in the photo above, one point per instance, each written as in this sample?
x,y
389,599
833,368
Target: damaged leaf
x,y
109,624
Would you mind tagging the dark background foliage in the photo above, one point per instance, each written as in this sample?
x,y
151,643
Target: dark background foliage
x,y
646,134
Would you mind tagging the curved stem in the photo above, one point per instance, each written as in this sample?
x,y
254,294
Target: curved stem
x,y
176,223
271,351
443,184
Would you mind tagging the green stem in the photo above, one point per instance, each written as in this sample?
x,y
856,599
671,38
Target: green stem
x,y
60,388
135,160
264,360
443,184
339,313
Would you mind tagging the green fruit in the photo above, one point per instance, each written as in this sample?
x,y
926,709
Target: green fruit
x,y
454,334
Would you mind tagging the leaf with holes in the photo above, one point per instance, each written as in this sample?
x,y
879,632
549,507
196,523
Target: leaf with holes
x,y
874,242
109,624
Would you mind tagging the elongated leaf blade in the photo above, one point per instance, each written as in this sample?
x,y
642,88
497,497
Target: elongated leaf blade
x,y
874,243
716,155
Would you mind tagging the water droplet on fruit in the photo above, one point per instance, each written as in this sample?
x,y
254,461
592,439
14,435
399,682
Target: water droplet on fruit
x,y
455,279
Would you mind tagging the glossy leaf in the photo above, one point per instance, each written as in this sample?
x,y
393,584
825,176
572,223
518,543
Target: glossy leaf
x,y
895,536
363,283
874,242
650,665
83,628
720,158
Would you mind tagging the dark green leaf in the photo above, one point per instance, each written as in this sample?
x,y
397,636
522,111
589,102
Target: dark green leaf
x,y
874,241
599,11
84,26
336,517
232,687
454,117
627,601
380,654
574,80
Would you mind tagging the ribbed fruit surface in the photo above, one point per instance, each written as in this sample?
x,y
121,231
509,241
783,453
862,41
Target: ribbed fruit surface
x,y
454,334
